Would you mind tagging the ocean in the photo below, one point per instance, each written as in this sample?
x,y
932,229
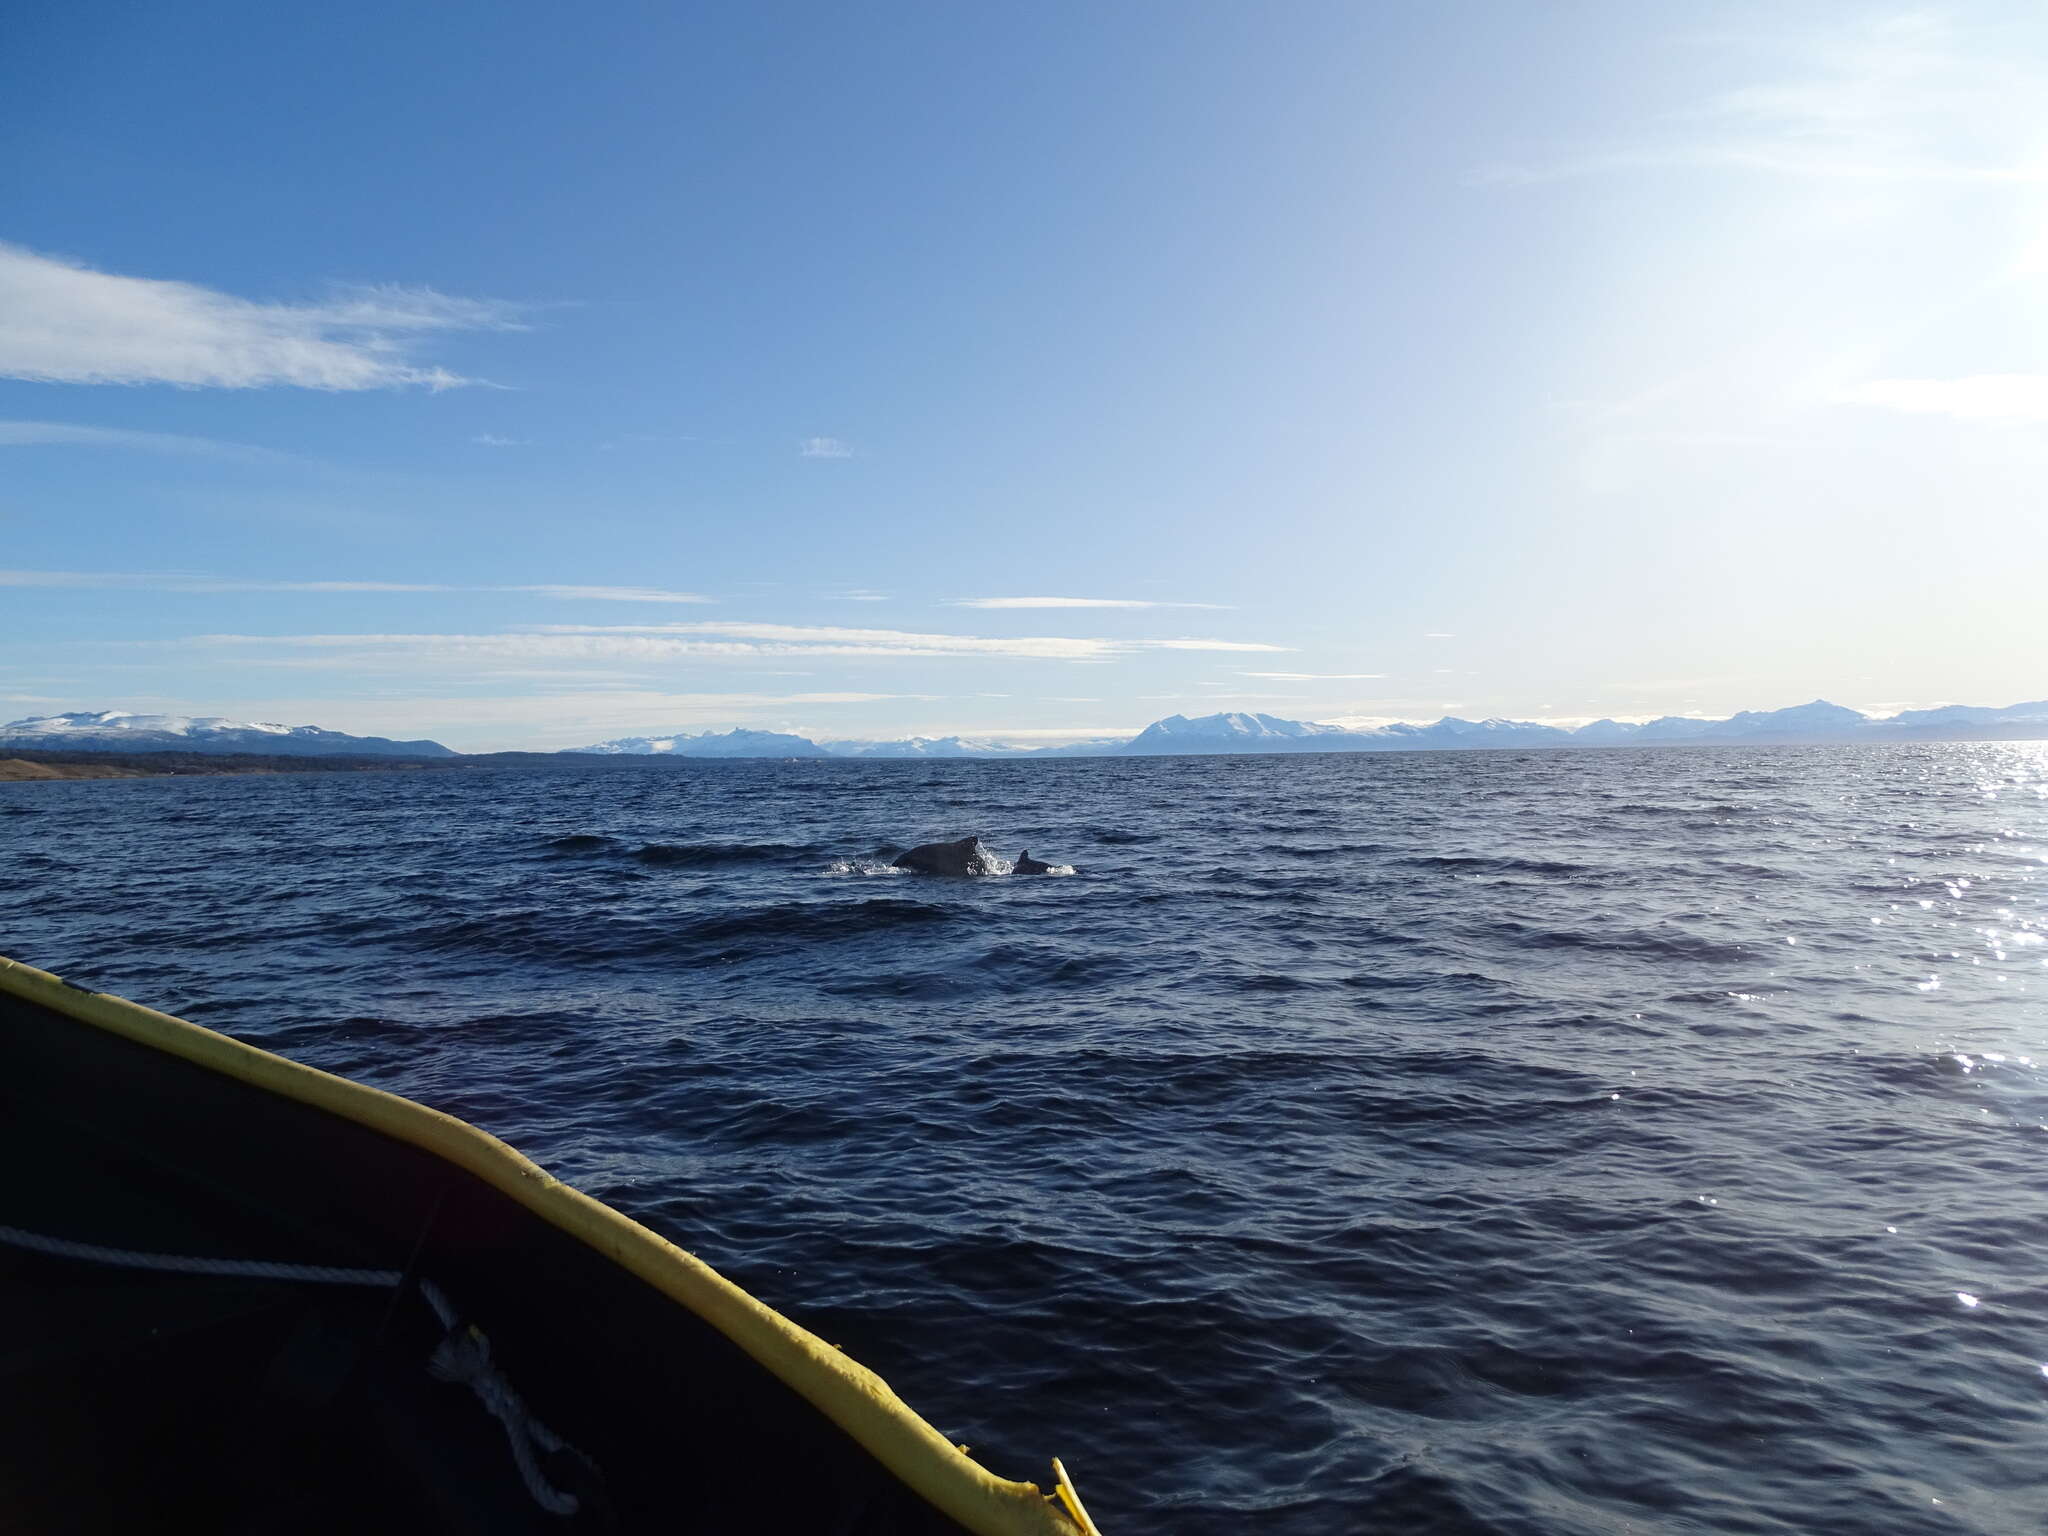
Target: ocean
x,y
1470,1142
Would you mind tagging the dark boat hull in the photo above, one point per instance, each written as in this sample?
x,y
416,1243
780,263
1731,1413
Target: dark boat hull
x,y
143,1400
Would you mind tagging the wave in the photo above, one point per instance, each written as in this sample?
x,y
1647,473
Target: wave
x,y
1441,1142
1499,864
869,866
595,938
677,855
700,855
1630,941
579,842
818,920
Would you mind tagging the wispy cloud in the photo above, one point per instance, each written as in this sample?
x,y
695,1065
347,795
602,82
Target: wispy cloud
x,y
492,440
824,448
722,638
1314,677
63,434
612,646
1070,602
63,323
1979,397
1899,98
1053,647
858,595
605,594
1209,645
704,641
1206,699
136,581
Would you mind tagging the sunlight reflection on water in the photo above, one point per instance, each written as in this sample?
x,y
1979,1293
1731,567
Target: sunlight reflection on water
x,y
1437,1142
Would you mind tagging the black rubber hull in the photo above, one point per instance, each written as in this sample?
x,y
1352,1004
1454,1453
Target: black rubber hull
x,y
134,1401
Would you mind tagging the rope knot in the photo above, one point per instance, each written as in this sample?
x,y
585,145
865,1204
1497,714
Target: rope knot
x,y
464,1358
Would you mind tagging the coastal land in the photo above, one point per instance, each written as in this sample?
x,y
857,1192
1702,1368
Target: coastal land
x,y
93,742
21,764
14,769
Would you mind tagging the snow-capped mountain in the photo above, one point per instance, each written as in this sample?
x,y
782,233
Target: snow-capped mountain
x,y
1820,718
120,730
1672,728
1232,732
1972,714
1229,732
1606,733
735,743
924,746
124,722
1453,732
744,743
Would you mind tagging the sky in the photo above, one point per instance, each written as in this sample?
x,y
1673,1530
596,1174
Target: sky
x,y
523,375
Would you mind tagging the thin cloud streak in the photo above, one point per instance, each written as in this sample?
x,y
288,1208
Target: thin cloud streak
x,y
652,643
601,646
62,434
1071,602
139,581
737,638
1895,99
605,594
1056,647
62,322
1210,645
1762,158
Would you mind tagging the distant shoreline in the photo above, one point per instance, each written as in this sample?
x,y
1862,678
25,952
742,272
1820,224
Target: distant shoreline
x,y
27,764
15,770
30,765
156,744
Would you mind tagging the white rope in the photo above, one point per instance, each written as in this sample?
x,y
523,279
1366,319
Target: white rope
x,y
253,1269
463,1356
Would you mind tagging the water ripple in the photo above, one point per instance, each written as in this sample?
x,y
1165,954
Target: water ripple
x,y
1560,1143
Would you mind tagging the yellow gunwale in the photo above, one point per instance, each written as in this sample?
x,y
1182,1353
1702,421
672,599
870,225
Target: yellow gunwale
x,y
848,1393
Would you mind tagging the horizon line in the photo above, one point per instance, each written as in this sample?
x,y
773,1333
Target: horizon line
x,y
1054,738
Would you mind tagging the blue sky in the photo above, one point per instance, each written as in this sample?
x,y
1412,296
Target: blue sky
x,y
525,376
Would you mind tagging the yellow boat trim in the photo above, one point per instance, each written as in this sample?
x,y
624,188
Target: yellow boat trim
x,y
849,1394
1064,1485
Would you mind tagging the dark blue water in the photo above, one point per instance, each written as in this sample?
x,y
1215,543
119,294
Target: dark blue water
x,y
1561,1142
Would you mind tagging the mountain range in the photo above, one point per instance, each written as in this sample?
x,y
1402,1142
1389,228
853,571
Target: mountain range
x,y
117,730
1233,732
1177,735
744,743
